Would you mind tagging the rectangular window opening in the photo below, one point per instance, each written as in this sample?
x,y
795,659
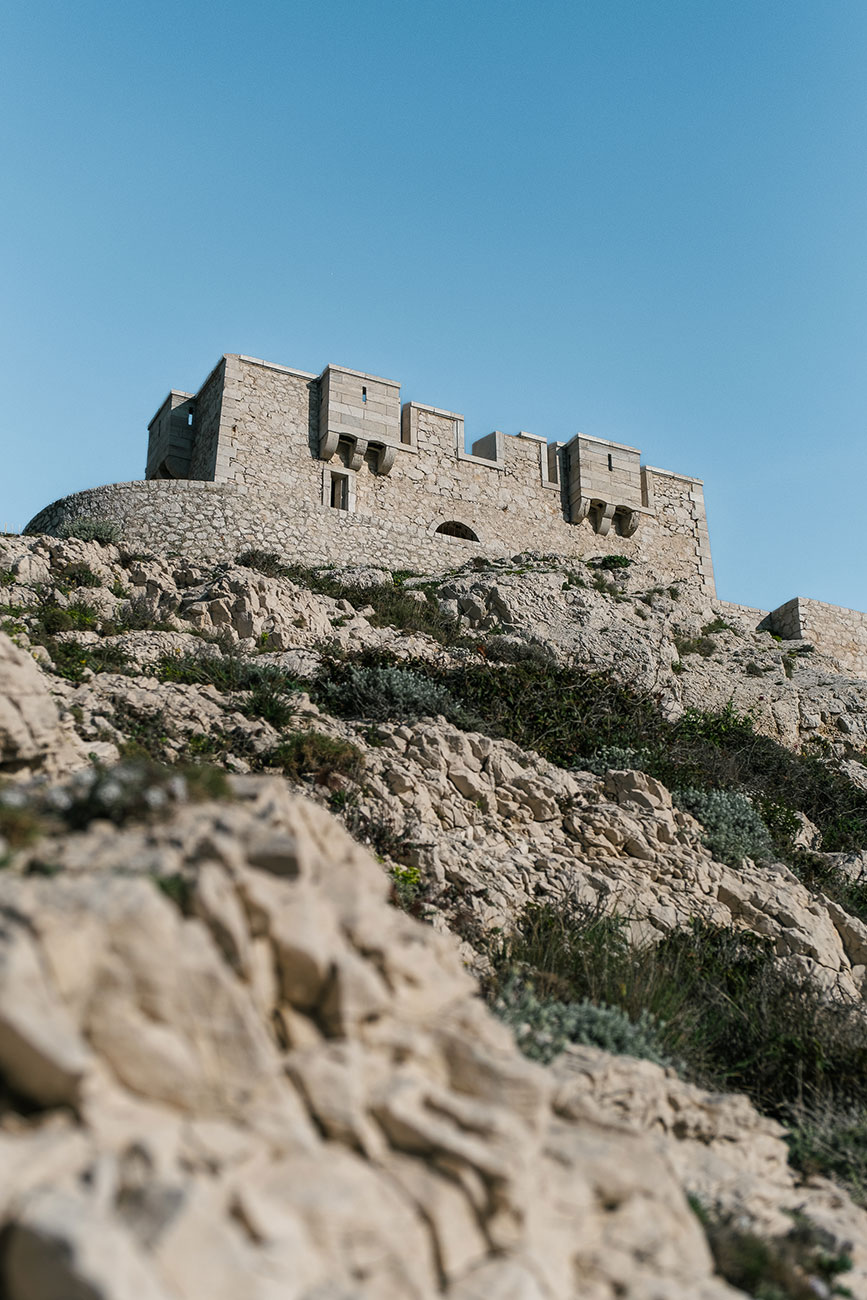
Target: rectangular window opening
x,y
610,461
364,394
339,491
189,418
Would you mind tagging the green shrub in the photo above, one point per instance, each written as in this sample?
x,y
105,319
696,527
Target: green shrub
x,y
716,625
695,645
384,692
613,757
266,562
82,576
310,753
52,618
268,701
227,672
103,531
542,1028
733,829
407,888
612,562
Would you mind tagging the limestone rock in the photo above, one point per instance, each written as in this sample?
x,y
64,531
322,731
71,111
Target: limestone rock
x,y
30,732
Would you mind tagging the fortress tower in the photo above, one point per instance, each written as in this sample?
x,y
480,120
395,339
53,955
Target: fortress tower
x,y
333,468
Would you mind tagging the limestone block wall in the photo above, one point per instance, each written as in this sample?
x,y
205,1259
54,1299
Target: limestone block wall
x,y
170,437
269,428
206,424
830,628
750,613
337,455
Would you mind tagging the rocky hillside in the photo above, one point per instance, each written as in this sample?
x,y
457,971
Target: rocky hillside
x,y
497,936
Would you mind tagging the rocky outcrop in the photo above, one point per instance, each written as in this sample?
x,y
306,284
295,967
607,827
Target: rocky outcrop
x,y
31,737
230,1067
291,1088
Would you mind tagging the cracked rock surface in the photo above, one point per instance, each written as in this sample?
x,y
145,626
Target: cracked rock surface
x,y
230,1066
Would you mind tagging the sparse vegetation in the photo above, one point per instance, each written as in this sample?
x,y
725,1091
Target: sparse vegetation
x,y
380,692
799,1265
82,576
310,753
227,672
733,829
134,790
74,661
717,1003
695,645
103,531
393,605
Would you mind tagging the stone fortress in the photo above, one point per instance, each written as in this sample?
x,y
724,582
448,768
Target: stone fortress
x,y
332,469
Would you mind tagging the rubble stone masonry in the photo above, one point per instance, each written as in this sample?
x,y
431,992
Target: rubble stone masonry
x,y
330,468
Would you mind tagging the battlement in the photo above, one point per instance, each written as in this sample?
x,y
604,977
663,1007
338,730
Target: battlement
x,y
343,440
334,469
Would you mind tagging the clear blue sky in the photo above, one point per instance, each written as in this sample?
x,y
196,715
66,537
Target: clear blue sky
x,y
642,219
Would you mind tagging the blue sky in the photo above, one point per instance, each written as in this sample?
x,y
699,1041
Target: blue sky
x,y
643,220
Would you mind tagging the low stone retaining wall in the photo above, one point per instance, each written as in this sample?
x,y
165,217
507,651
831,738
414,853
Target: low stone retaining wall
x,y
214,521
831,628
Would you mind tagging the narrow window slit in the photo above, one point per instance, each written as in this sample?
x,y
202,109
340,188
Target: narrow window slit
x,y
339,492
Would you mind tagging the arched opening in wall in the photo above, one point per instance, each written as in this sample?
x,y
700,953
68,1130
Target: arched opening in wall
x,y
164,470
455,529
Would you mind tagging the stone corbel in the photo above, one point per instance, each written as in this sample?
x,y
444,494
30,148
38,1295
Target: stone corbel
x,y
628,521
580,509
604,519
359,447
385,459
328,444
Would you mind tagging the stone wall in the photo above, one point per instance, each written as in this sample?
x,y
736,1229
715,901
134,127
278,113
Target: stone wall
x,y
206,425
170,437
305,451
754,616
215,521
830,628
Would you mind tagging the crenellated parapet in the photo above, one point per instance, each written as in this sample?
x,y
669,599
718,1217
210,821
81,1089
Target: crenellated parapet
x,y
360,472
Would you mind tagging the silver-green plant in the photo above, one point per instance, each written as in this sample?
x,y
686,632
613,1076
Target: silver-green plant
x,y
542,1029
733,829
387,692
104,531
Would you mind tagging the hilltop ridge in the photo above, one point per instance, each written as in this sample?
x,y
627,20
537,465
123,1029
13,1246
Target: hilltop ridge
x,y
228,1057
